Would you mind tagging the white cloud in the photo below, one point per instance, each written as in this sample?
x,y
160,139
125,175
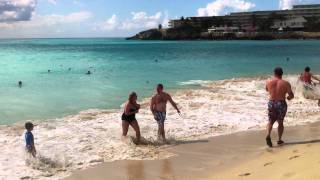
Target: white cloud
x,y
222,7
16,10
52,2
139,20
38,21
287,4
78,3
111,23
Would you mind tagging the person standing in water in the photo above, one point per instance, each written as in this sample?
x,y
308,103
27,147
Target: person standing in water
x,y
129,116
158,108
277,105
30,140
20,84
307,76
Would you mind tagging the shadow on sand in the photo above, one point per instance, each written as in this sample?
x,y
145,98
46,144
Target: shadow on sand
x,y
301,142
190,142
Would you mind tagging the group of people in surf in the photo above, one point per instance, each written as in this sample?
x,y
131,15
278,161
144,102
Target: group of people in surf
x,y
158,108
277,105
279,91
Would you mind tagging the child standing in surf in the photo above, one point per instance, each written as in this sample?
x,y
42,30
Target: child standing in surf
x,y
30,140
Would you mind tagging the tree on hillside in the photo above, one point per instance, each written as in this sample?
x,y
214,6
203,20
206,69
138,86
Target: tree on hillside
x,y
253,20
266,24
312,24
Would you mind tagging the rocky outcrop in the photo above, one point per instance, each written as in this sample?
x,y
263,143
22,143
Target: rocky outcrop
x,y
182,33
152,34
191,33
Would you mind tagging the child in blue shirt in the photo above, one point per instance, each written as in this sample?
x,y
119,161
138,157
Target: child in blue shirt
x,y
29,139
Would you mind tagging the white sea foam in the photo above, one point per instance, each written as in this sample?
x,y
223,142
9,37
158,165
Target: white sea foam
x,y
94,136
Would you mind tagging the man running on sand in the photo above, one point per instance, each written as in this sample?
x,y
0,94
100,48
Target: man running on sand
x,y
277,106
158,108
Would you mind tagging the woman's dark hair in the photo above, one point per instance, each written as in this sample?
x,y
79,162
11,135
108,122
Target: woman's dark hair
x,y
131,96
28,125
307,69
278,71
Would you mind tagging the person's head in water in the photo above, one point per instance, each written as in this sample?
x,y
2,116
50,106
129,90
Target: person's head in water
x,y
133,97
89,72
28,126
307,69
20,83
278,72
159,88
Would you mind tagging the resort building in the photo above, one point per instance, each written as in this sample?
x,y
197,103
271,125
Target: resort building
x,y
292,18
296,23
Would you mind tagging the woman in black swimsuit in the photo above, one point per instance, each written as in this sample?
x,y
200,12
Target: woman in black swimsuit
x,y
129,116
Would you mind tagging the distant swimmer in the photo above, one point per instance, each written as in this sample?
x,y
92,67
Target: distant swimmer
x,y
277,105
156,60
20,84
49,70
288,59
30,148
158,108
69,69
88,73
147,82
129,116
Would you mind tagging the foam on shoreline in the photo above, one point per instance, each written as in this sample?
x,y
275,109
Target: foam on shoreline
x,y
94,136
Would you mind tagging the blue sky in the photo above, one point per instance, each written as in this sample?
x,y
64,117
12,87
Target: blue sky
x,y
112,18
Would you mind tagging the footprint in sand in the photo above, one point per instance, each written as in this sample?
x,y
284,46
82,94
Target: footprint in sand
x,y
289,174
245,174
267,164
293,157
295,151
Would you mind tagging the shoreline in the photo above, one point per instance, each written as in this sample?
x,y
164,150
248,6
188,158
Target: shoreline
x,y
212,109
214,158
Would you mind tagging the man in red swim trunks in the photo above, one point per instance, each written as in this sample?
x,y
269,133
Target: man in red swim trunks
x,y
277,106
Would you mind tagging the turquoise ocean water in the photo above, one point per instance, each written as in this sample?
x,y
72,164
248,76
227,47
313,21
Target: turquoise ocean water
x,y
119,67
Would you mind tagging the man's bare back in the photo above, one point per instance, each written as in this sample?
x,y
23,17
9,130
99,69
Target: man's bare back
x,y
278,88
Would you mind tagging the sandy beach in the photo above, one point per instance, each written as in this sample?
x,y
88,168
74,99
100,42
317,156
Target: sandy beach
x,y
238,156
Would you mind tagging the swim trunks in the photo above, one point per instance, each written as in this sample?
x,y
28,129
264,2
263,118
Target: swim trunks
x,y
129,118
160,117
277,110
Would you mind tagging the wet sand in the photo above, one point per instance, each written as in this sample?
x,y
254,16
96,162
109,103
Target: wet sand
x,y
237,156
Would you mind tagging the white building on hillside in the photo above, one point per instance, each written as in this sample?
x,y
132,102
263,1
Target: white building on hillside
x,y
224,29
295,23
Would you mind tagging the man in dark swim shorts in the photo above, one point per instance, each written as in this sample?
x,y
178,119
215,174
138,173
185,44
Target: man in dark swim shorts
x,y
277,110
277,106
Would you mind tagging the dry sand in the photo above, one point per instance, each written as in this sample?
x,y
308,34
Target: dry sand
x,y
236,156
